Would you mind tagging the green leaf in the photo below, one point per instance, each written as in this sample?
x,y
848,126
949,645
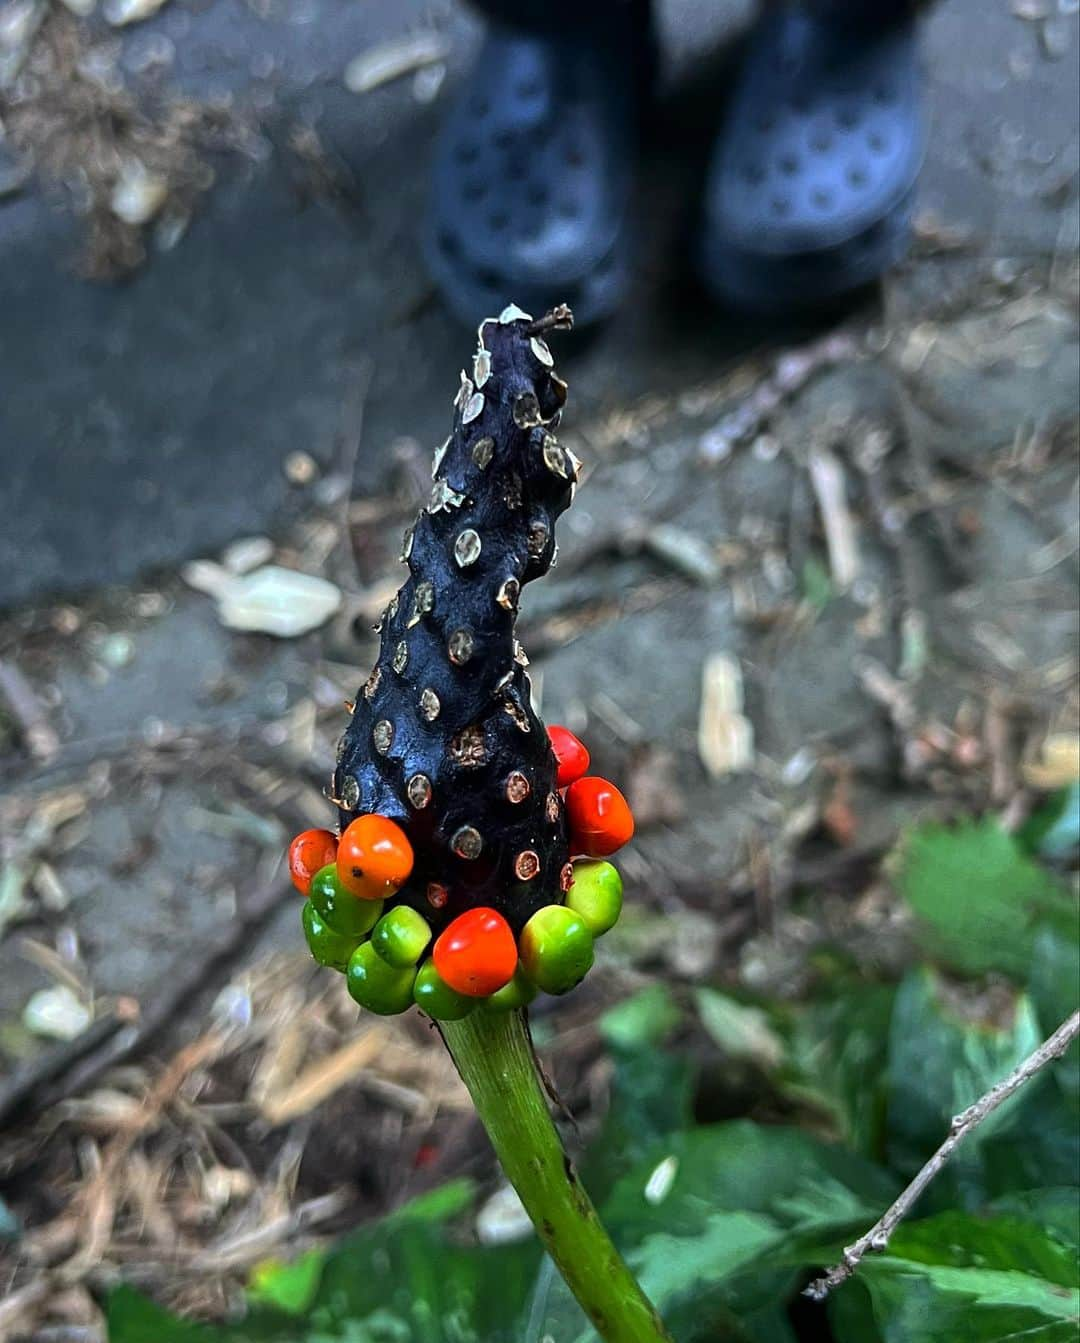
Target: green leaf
x,y
741,1032
1054,829
406,1282
837,1050
1056,1210
743,1167
1040,1146
287,1286
939,1064
132,1318
682,1276
641,1021
817,586
977,896
652,1091
972,1280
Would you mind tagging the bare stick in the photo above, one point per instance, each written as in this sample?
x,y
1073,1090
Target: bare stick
x,y
877,1238
560,318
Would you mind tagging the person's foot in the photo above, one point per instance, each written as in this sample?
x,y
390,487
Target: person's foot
x,y
811,186
533,172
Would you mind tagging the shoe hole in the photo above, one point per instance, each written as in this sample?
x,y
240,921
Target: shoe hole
x,y
821,198
474,189
856,177
884,94
789,164
499,221
821,142
848,117
537,194
780,206
877,142
503,138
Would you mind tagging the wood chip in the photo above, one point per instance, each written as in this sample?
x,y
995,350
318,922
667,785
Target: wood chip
x,y
827,478
725,734
323,1078
391,60
1058,763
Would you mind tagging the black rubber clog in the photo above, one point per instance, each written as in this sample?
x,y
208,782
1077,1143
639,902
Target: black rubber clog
x,y
533,174
811,187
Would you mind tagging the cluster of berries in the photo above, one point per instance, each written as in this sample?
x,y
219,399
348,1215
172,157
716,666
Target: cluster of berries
x,y
352,923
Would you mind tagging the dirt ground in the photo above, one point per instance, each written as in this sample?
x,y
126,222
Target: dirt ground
x,y
811,588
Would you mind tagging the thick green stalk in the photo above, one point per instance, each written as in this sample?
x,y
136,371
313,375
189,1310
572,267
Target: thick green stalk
x,y
495,1059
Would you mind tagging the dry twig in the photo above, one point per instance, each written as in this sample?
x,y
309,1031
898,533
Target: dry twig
x,y
877,1238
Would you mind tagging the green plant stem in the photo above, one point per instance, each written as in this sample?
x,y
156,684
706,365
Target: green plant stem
x,y
494,1056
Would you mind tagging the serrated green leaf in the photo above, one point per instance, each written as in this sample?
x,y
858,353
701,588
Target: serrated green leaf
x,y
781,1173
978,897
973,1280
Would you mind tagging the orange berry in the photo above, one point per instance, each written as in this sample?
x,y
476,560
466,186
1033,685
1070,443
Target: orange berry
x,y
572,757
476,954
374,858
309,851
600,818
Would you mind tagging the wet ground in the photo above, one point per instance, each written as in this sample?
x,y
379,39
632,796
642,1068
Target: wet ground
x,y
815,582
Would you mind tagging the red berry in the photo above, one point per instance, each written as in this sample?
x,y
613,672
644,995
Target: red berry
x,y
476,954
308,852
571,754
374,858
600,818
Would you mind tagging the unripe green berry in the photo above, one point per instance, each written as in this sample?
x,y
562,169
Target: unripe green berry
x,y
338,908
556,949
328,946
378,986
518,993
400,936
437,998
596,894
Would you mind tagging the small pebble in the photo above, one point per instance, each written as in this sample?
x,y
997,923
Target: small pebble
x,y
300,468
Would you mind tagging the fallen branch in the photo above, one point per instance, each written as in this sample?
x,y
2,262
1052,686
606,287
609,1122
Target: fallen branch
x,y
877,1238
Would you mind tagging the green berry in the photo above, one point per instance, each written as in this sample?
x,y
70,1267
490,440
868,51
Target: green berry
x,y
437,998
328,946
596,894
556,949
518,993
338,908
378,986
400,936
